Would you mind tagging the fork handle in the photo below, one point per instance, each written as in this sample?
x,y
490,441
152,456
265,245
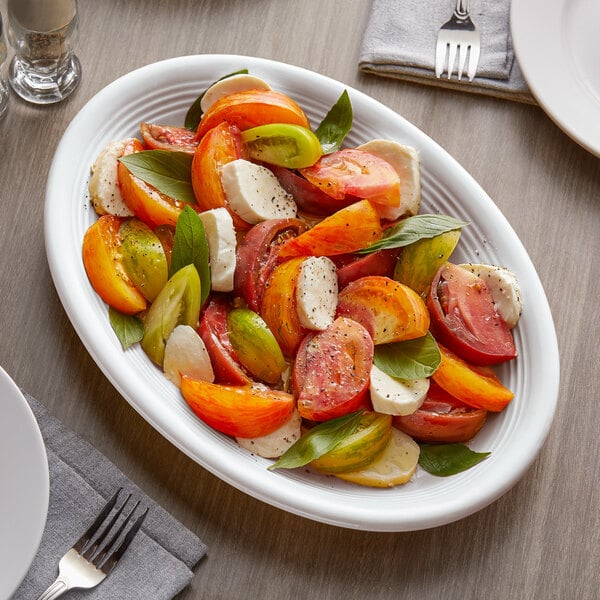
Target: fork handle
x,y
58,588
462,8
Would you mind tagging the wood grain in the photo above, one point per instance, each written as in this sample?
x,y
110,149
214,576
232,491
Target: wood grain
x,y
541,539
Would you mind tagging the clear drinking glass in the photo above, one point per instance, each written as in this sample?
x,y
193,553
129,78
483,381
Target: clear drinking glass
x,y
42,32
3,84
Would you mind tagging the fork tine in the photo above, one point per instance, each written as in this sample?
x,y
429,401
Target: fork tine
x,y
473,60
93,528
440,58
451,58
462,56
89,553
109,545
115,557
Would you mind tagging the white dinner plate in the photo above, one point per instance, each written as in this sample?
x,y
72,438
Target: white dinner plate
x,y
556,44
162,93
24,486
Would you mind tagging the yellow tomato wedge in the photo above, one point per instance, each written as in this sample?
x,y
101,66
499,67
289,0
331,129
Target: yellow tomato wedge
x,y
359,449
395,466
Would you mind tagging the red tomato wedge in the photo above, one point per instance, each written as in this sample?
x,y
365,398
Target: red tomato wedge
x,y
464,318
252,108
104,266
257,255
218,147
352,172
279,308
442,419
351,267
331,370
478,387
149,205
309,199
348,230
214,334
390,311
167,137
240,411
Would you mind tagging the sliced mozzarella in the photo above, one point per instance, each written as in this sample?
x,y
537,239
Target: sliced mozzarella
x,y
231,85
505,290
220,234
103,186
393,396
317,292
186,353
254,193
405,160
277,442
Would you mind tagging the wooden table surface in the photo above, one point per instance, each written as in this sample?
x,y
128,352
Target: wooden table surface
x,y
541,539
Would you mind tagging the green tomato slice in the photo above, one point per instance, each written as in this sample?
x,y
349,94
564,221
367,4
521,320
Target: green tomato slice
x,y
360,448
144,258
255,345
420,261
178,303
283,145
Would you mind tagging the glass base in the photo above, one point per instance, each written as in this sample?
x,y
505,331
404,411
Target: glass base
x,y
3,97
44,86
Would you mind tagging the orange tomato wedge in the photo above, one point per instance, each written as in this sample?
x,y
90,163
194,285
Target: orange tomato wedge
x,y
219,146
348,230
390,311
478,387
148,204
239,411
251,108
104,266
278,307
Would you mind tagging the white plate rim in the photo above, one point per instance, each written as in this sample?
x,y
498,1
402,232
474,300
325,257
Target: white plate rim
x,y
543,49
28,492
314,497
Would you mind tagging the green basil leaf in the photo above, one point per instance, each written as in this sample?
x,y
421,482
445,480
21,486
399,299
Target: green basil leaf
x,y
194,113
168,171
336,124
321,439
448,459
190,247
129,328
411,359
414,228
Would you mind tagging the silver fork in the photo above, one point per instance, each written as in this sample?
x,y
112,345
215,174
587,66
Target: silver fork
x,y
92,557
458,35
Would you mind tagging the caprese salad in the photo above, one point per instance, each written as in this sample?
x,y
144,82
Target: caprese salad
x,y
289,286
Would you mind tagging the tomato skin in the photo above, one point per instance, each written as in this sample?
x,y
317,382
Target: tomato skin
x,y
220,145
473,385
348,230
309,199
167,137
356,173
239,411
464,318
331,370
442,419
257,256
279,308
390,311
351,267
104,266
147,203
214,333
251,108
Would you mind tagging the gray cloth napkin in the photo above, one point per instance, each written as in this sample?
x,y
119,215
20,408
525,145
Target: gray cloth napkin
x,y
159,562
401,35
